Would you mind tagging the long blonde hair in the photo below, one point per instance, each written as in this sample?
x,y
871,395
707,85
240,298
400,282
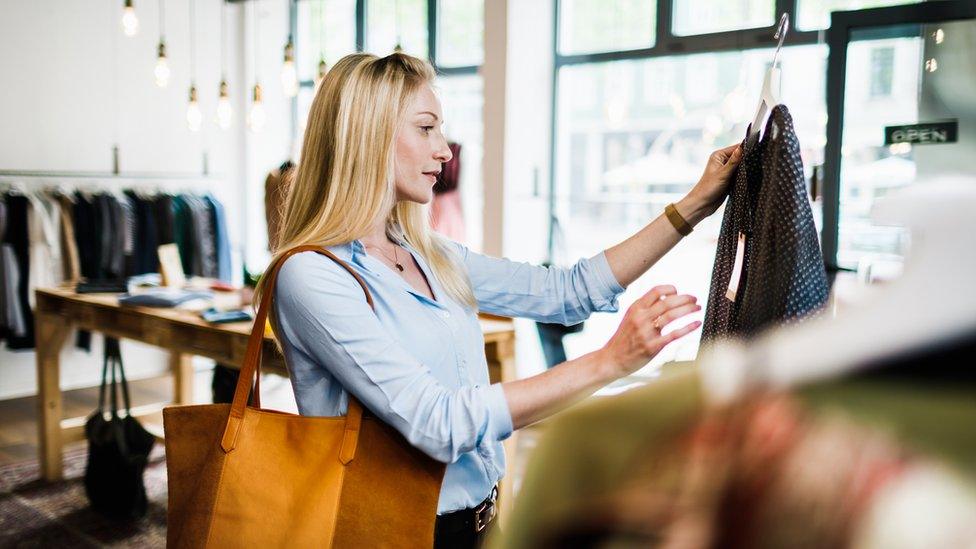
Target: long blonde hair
x,y
344,182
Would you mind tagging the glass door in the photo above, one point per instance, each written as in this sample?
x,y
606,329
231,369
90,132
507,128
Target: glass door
x,y
909,116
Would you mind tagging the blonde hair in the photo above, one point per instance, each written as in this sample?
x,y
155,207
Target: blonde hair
x,y
344,182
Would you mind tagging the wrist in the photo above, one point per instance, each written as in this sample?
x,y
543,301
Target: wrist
x,y
605,368
692,209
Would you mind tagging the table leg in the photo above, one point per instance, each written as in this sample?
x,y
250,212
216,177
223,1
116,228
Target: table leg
x,y
182,367
50,333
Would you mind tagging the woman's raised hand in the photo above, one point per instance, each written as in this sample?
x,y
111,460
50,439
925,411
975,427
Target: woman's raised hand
x,y
710,191
640,336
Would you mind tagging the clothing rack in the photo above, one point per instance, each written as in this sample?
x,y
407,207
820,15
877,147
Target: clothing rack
x,y
107,175
66,181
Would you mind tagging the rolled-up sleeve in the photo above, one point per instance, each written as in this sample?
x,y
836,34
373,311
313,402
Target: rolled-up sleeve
x,y
545,294
322,311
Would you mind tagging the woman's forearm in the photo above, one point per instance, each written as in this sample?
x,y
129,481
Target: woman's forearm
x,y
634,256
537,397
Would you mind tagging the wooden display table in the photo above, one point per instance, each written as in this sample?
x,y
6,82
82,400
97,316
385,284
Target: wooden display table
x,y
184,335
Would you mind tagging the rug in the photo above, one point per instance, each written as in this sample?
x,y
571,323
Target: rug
x,y
35,513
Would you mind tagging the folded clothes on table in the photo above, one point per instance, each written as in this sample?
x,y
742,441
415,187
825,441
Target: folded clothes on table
x,y
163,297
101,286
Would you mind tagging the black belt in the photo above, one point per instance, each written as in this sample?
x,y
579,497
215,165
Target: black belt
x,y
477,518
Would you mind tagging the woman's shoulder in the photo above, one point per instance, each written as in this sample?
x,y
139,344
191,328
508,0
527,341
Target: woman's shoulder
x,y
313,272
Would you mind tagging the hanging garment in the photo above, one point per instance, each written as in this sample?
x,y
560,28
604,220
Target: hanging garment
x,y
145,256
769,268
275,195
183,233
69,246
85,235
163,205
17,267
116,250
221,239
205,237
84,218
44,234
129,234
12,321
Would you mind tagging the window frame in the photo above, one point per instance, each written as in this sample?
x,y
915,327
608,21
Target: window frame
x,y
842,24
432,21
666,44
837,36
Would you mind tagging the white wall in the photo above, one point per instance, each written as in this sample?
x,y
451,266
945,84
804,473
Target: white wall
x,y
72,85
518,75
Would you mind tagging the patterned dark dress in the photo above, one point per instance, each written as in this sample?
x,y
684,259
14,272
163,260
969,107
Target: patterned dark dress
x,y
782,278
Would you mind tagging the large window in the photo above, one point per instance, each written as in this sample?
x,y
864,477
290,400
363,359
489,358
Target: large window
x,y
329,29
635,128
597,25
706,16
815,14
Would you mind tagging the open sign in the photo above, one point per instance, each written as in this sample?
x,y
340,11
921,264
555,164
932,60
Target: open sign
x,y
923,134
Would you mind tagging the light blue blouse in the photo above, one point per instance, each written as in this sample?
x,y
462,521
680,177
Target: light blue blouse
x,y
419,364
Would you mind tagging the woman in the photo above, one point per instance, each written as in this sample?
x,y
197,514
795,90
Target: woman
x,y
372,151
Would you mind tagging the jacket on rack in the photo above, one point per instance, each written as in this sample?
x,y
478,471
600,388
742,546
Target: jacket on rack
x,y
768,224
16,260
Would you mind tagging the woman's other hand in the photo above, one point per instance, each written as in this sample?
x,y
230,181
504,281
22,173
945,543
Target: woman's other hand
x,y
713,187
640,336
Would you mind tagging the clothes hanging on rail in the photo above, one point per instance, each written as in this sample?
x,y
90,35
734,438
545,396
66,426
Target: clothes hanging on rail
x,y
49,237
769,268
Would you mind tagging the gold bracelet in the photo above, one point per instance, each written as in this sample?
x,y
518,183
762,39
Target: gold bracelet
x,y
680,225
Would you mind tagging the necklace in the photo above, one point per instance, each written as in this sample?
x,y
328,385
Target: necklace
x,y
396,258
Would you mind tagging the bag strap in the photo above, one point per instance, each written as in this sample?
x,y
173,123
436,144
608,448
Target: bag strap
x,y
251,369
101,389
124,383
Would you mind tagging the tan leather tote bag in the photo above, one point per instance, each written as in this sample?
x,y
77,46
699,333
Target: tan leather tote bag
x,y
246,477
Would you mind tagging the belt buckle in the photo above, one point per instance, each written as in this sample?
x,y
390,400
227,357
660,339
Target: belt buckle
x,y
487,508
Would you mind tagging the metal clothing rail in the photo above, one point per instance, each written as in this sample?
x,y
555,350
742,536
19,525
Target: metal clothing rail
x,y
109,175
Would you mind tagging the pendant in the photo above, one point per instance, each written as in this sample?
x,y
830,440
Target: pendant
x,y
399,267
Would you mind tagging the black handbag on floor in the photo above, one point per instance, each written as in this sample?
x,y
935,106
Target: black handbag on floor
x,y
118,448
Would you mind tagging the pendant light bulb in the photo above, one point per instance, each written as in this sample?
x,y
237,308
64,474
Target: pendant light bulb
x,y
225,113
194,118
130,23
257,117
161,72
289,74
323,69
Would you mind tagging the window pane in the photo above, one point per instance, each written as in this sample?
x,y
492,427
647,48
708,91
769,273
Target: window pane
x,y
633,136
326,29
389,22
815,14
588,26
705,16
460,33
899,80
462,98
